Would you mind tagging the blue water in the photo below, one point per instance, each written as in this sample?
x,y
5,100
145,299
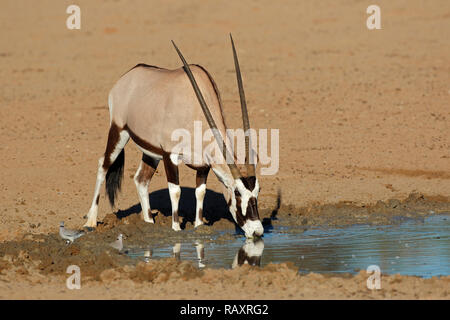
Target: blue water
x,y
420,248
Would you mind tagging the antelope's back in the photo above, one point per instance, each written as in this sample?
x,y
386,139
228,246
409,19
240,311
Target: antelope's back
x,y
154,102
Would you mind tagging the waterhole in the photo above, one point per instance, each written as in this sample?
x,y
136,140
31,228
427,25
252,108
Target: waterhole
x,y
410,247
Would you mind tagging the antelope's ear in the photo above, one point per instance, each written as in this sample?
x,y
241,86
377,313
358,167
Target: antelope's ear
x,y
222,178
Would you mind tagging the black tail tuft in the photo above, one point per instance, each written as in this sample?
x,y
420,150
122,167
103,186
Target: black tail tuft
x,y
114,177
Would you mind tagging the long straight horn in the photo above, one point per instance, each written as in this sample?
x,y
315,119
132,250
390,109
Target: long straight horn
x,y
233,168
245,120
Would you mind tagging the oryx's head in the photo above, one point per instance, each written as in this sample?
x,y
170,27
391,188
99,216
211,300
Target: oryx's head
x,y
243,205
243,191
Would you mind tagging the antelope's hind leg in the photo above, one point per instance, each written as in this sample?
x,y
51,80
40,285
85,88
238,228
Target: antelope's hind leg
x,y
171,165
117,139
200,191
142,179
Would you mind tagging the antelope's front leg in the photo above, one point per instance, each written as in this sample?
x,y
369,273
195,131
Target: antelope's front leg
x,y
171,165
200,191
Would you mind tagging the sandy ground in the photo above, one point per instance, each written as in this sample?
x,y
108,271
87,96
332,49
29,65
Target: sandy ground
x,y
363,116
175,280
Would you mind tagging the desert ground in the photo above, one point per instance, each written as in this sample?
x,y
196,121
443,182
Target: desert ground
x,y
363,118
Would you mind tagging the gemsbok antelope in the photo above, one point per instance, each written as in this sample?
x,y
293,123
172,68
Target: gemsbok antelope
x,y
147,104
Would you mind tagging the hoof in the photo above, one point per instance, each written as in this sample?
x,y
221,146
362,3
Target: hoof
x,y
176,226
89,224
198,223
149,220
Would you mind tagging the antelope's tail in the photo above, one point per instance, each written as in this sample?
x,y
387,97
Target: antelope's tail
x,y
114,177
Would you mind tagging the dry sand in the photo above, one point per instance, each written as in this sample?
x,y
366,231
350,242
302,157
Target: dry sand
x,y
363,116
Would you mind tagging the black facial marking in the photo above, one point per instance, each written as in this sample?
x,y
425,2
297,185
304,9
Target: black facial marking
x,y
239,217
252,209
249,182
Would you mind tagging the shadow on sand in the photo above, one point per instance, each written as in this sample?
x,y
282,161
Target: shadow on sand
x,y
215,207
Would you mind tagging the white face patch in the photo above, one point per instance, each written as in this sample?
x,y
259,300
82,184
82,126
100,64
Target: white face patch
x,y
253,228
233,207
246,194
255,191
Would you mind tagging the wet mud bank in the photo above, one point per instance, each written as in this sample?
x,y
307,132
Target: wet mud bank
x,y
93,253
345,213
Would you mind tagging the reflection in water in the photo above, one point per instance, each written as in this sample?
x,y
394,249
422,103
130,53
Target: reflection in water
x,y
176,251
250,253
410,248
413,247
200,248
147,255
